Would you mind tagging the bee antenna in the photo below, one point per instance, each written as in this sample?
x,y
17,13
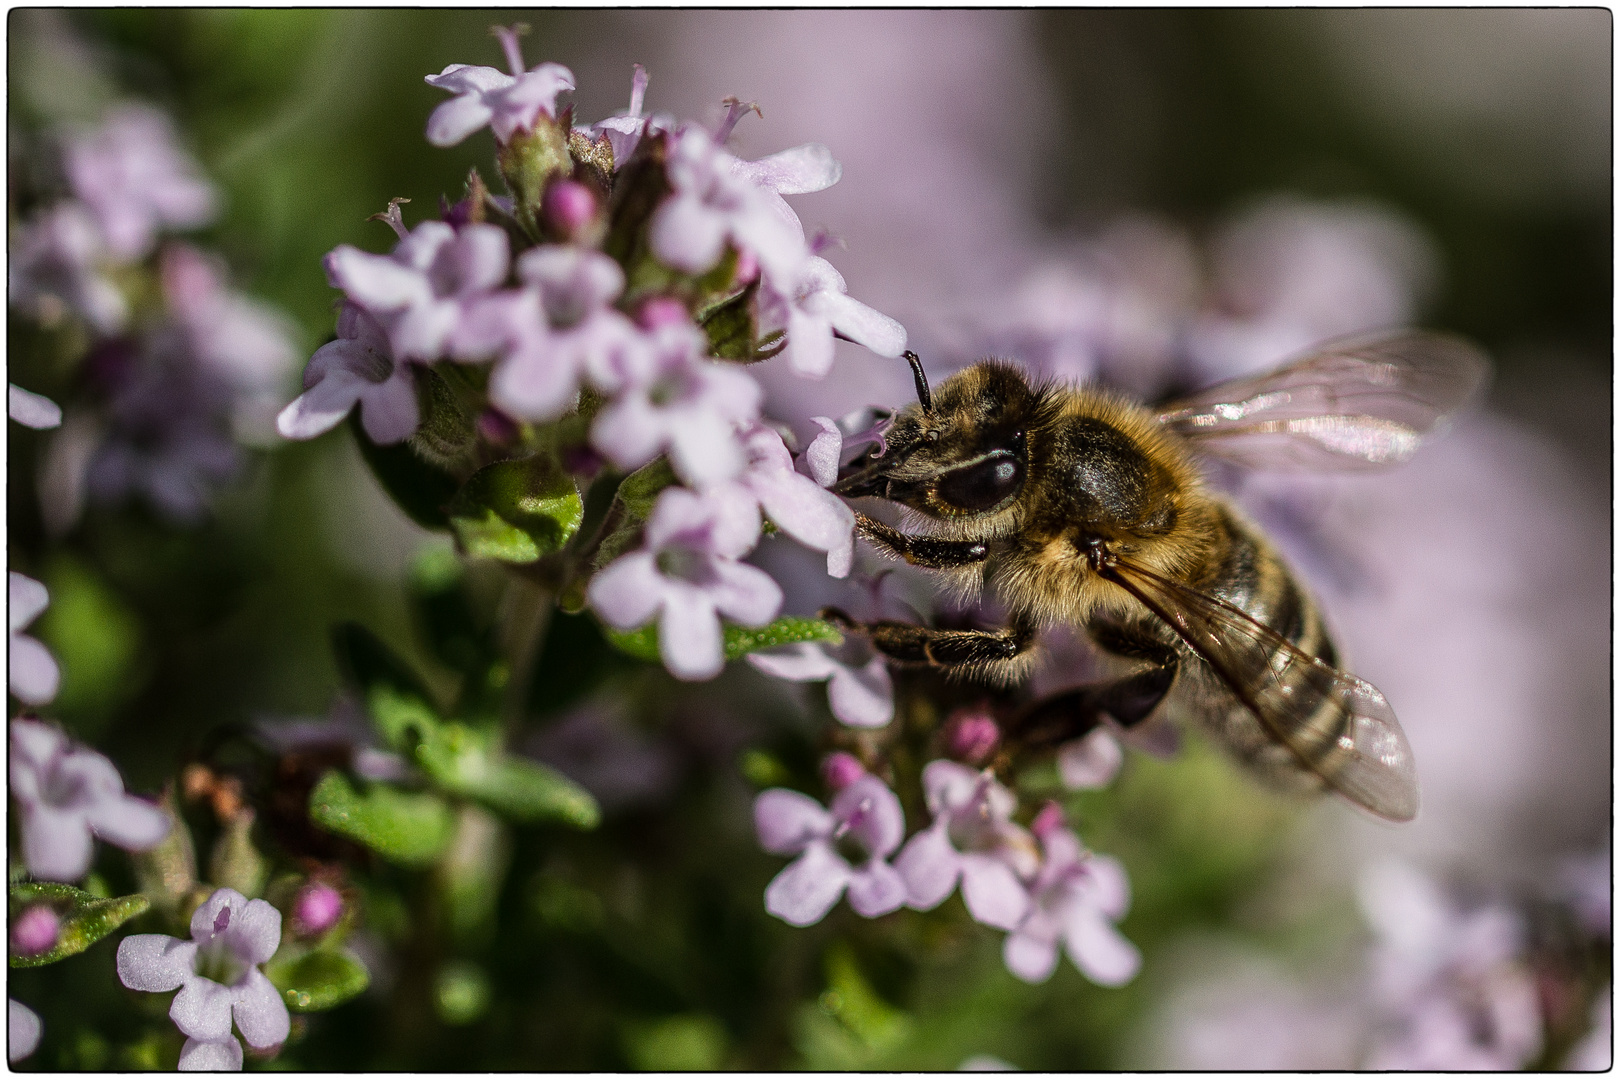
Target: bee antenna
x,y
923,396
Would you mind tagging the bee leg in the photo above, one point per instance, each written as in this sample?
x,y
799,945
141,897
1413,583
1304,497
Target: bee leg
x,y
1062,717
931,552
912,644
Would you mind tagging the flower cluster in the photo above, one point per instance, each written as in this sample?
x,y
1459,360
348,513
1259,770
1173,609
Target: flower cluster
x,y
181,365
607,303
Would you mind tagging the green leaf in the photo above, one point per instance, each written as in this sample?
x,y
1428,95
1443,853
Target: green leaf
x,y
732,326
632,505
403,827
465,761
517,511
317,979
740,640
419,488
85,919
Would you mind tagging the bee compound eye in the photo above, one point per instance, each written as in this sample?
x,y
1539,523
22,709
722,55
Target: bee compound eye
x,y
983,485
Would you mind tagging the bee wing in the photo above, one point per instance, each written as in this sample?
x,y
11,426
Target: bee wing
x,y
1355,403
1337,726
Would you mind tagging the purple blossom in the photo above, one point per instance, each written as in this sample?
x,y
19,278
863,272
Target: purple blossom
x,y
860,696
35,930
217,974
554,332
669,397
23,1030
817,306
316,909
1090,762
31,669
1076,897
357,368
789,823
136,180
67,793
714,202
687,575
508,103
814,517
420,293
971,838
57,259
1453,991
971,735
31,410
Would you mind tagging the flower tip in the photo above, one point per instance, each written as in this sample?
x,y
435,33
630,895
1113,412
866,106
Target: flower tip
x,y
840,770
316,909
568,207
1048,820
971,735
35,931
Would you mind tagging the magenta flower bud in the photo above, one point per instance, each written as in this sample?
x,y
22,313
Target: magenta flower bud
x,y
496,428
662,311
581,460
568,206
971,735
35,931
316,909
840,770
1049,819
747,267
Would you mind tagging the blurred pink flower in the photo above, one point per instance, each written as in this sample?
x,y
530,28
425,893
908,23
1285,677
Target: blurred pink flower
x,y
23,1030
136,180
32,410
508,103
57,262
815,307
35,930
971,839
357,368
789,823
65,794
860,696
1075,897
1090,762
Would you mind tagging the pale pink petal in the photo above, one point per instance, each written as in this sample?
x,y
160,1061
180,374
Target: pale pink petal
x,y
929,866
201,1055
1101,952
469,78
1107,888
810,342
376,281
861,324
26,598
255,933
535,384
208,914
456,119
1091,762
261,1015
822,455
801,662
388,411
703,449
131,823
873,814
787,821
809,514
689,636
876,889
862,697
23,1030
808,887
32,671
31,410
202,1009
947,784
56,843
747,594
992,892
798,171
155,962
627,592
322,407
687,235
1031,958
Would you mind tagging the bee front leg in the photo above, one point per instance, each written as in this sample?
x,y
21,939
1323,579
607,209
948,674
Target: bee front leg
x,y
909,643
931,552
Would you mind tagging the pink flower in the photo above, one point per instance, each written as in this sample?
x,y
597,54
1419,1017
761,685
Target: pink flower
x,y
858,696
789,823
1076,897
217,974
31,410
316,909
31,669
668,396
687,576
136,180
971,839
357,368
802,509
1090,762
57,259
815,307
624,130
65,794
508,103
420,293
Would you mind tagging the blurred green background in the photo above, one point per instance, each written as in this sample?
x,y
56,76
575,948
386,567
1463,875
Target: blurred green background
x,y
645,944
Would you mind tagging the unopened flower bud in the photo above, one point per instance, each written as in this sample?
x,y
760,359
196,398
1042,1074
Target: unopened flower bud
x,y
1048,819
316,909
662,311
971,735
35,931
568,207
840,770
747,267
582,460
496,428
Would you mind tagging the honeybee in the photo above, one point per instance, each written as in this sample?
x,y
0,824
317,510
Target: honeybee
x,y
1082,507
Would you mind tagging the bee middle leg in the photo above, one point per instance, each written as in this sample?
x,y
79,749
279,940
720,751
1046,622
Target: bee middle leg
x,y
909,643
932,552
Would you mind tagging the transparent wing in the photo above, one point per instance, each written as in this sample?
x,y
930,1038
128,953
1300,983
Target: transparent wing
x,y
1355,403
1337,726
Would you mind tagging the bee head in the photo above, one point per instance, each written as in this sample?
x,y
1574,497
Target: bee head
x,y
957,453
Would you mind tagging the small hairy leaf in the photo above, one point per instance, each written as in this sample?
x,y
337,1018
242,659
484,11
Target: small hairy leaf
x,y
517,511
740,640
317,979
403,827
84,919
528,791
